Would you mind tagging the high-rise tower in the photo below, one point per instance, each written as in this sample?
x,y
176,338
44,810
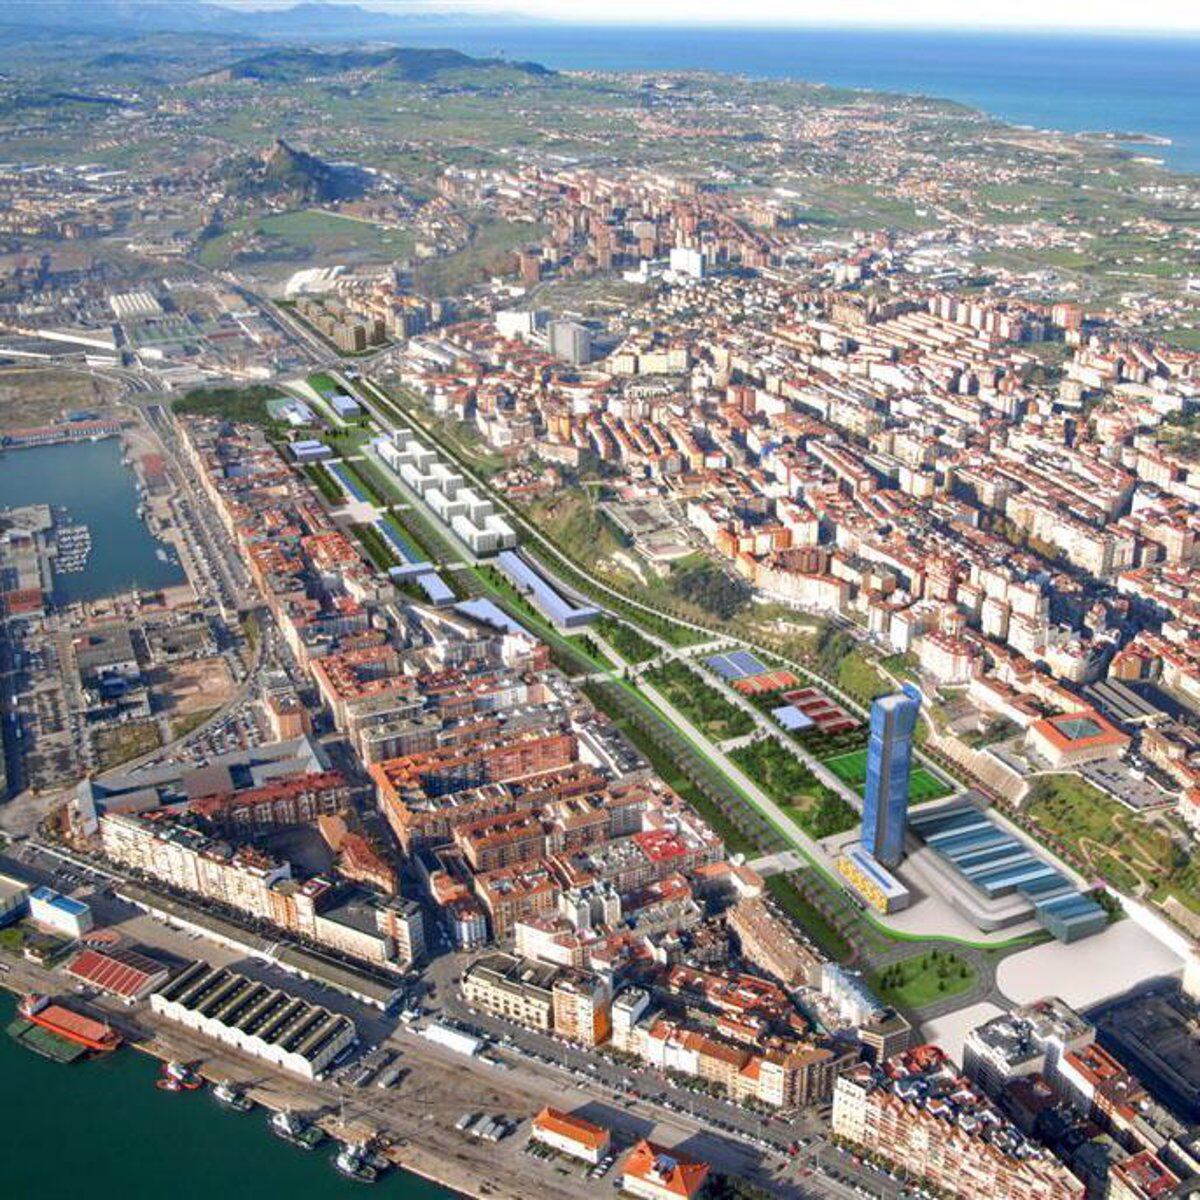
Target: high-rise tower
x,y
889,764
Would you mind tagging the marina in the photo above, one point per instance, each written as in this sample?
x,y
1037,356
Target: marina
x,y
100,544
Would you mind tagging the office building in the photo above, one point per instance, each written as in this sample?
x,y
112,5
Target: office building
x,y
54,911
1029,1041
889,764
570,341
514,988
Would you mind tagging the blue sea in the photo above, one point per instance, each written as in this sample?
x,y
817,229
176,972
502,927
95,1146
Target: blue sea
x,y
1072,82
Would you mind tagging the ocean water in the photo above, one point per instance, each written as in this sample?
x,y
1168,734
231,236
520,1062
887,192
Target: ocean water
x,y
101,1130
1072,82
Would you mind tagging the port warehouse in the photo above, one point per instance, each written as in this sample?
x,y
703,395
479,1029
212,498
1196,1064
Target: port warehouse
x,y
445,493
350,981
255,1018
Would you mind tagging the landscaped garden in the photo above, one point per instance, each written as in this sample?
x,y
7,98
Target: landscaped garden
x,y
1096,832
923,979
717,717
819,811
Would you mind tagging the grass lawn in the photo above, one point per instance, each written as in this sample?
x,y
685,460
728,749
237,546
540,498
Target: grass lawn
x,y
924,785
306,235
12,939
850,768
856,675
324,384
923,979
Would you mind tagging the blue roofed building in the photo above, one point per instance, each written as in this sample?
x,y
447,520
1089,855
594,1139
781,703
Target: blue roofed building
x,y
558,609
998,879
791,718
62,914
435,588
345,406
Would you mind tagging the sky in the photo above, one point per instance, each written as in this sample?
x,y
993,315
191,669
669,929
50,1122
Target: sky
x,y
1147,16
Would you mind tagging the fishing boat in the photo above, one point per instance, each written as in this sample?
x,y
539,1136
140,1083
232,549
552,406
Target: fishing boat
x,y
229,1096
351,1161
295,1130
183,1075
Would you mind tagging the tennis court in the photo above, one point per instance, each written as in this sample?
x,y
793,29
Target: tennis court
x,y
736,664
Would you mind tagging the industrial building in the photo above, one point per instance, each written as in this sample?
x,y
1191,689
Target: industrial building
x,y
54,911
255,1018
119,971
14,899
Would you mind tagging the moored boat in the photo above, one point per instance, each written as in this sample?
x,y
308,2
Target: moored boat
x,y
351,1161
229,1096
183,1075
295,1130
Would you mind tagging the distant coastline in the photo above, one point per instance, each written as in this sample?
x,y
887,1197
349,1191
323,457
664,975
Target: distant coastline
x,y
1099,85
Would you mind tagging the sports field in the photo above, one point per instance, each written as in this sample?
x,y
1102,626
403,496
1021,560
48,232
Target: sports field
x,y
851,769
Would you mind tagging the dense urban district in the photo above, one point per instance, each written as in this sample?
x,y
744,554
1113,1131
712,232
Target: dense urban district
x,y
586,630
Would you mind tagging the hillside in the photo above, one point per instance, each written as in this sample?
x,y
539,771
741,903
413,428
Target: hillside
x,y
286,172
409,64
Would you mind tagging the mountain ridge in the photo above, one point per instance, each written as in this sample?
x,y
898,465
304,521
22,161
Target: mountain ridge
x,y
307,19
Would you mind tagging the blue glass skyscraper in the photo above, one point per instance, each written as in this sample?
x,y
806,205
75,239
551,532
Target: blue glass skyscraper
x,y
889,764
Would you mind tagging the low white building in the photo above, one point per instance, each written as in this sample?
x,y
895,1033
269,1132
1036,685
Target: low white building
x,y
255,1018
54,911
